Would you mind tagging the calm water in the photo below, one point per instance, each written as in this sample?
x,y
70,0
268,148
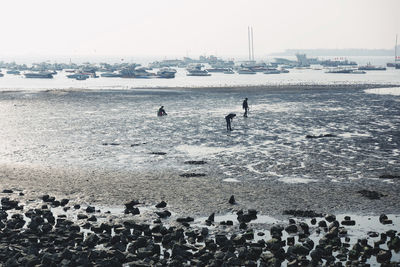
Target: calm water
x,y
75,128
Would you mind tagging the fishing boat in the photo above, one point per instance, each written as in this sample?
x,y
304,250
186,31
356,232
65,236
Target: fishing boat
x,y
342,70
371,67
246,71
197,71
272,71
38,75
111,75
166,73
15,72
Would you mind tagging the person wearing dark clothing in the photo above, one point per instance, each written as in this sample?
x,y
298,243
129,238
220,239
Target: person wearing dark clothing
x,y
245,107
161,111
228,119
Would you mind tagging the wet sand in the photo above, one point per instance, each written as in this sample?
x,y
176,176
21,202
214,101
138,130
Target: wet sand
x,y
200,196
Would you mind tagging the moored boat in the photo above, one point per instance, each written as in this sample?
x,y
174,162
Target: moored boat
x,y
38,75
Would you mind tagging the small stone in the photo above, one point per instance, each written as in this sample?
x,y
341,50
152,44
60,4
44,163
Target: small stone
x,y
232,200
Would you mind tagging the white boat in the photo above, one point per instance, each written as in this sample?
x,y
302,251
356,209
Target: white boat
x,y
246,71
197,71
272,71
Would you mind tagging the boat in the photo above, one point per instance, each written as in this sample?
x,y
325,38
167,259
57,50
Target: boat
x,y
111,75
358,72
81,77
229,71
272,71
166,73
16,72
217,69
284,71
340,70
371,67
78,76
197,71
246,71
38,75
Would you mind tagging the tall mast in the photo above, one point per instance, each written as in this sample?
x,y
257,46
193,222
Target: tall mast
x,y
395,50
248,36
252,44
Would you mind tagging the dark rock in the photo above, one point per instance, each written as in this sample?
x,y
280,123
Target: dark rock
x,y
130,205
163,214
232,200
133,211
8,191
389,176
320,136
187,219
82,216
330,218
64,202
158,153
195,162
77,206
162,204
370,194
348,222
92,219
292,228
188,175
383,256
90,209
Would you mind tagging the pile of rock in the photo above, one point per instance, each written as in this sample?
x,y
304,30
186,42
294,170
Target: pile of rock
x,y
37,236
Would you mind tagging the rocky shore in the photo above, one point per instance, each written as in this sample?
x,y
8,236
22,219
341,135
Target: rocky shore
x,y
47,231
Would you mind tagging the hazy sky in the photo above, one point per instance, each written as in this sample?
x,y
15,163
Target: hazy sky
x,y
173,28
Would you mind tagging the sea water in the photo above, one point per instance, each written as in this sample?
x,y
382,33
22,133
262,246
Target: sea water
x,y
112,124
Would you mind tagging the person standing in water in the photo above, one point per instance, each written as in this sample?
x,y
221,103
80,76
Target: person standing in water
x,y
228,119
161,111
245,107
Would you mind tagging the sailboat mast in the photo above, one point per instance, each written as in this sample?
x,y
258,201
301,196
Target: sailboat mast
x,y
248,36
252,45
395,51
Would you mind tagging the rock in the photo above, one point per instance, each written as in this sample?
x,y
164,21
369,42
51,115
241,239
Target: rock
x,y
130,205
389,176
348,222
370,194
162,204
383,256
291,229
210,219
195,162
330,218
320,136
158,153
133,211
163,214
187,219
82,216
188,175
90,209
232,200
7,191
92,219
64,202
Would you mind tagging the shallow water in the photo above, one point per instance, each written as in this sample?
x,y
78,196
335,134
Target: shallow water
x,y
119,129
